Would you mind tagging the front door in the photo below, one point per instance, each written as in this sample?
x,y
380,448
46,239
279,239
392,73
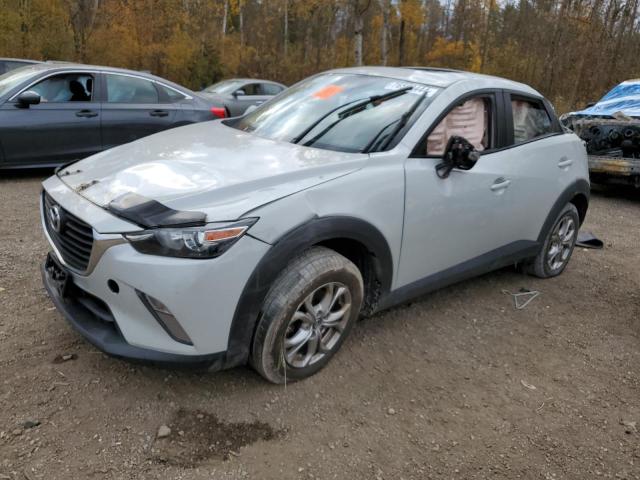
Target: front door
x,y
453,224
133,108
65,126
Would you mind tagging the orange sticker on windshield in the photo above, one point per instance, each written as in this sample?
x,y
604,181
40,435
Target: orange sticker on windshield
x,y
328,92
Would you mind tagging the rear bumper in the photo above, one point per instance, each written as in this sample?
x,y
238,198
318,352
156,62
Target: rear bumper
x,y
94,321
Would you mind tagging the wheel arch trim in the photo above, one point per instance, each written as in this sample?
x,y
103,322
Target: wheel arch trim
x,y
298,239
579,188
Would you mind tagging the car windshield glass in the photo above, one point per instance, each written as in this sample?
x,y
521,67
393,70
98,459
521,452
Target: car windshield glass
x,y
335,111
226,86
14,78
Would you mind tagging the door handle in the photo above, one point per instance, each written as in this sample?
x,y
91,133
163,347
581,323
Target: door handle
x,y
565,162
159,113
86,113
500,184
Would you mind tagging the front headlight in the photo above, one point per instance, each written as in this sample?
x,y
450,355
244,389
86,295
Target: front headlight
x,y
208,241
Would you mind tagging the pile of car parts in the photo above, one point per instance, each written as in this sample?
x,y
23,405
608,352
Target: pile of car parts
x,y
613,145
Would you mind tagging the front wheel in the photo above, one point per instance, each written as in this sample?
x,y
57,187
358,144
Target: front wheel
x,y
558,245
307,315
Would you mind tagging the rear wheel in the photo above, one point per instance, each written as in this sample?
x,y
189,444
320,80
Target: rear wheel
x,y
307,315
558,245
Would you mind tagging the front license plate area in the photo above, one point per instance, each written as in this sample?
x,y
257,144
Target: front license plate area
x,y
60,278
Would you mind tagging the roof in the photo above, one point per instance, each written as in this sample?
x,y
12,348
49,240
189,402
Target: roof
x,y
63,66
437,77
21,60
259,80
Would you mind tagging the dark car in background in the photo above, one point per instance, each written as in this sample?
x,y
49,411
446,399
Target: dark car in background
x,y
53,113
8,64
234,96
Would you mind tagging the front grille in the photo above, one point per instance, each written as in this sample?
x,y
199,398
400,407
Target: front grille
x,y
73,238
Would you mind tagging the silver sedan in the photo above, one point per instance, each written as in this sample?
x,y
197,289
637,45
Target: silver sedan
x,y
234,96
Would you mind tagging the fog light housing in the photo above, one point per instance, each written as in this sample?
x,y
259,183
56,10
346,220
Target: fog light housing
x,y
165,318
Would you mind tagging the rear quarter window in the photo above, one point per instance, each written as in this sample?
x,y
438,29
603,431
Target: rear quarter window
x,y
170,93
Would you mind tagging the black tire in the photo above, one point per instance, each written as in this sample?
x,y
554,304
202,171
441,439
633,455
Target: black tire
x,y
315,273
541,266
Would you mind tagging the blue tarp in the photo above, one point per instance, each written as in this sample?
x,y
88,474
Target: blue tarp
x,y
623,98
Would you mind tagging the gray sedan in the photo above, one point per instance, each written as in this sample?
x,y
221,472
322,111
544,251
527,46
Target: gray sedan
x,y
235,95
52,113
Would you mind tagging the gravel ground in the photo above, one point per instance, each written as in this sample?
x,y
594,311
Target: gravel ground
x,y
457,385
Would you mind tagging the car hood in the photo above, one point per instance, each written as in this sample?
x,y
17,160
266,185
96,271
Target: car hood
x,y
207,167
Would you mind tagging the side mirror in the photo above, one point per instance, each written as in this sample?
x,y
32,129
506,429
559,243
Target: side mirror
x,y
460,153
25,99
590,104
239,93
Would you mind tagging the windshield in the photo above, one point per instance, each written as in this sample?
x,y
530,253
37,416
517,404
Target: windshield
x,y
327,111
226,86
14,78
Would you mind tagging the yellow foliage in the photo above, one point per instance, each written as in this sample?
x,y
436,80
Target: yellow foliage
x,y
454,54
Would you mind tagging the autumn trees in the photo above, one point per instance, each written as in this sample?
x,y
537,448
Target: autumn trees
x,y
571,50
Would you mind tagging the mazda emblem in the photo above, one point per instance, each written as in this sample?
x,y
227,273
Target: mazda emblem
x,y
55,217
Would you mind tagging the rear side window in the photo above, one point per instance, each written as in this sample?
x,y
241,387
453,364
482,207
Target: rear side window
x,y
125,89
470,120
530,120
271,89
69,87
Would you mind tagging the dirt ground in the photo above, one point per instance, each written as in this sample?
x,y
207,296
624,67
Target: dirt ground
x,y
457,385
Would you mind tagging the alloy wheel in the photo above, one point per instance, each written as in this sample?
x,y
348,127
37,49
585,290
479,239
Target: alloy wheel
x,y
561,244
317,325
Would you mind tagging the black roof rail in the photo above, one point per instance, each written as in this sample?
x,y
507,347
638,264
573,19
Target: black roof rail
x,y
436,69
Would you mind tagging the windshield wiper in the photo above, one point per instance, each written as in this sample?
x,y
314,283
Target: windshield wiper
x,y
402,121
356,108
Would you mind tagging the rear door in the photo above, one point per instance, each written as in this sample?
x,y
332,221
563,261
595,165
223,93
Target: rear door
x,y
541,163
133,107
65,126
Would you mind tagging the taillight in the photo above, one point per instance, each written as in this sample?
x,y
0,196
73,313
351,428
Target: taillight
x,y
219,112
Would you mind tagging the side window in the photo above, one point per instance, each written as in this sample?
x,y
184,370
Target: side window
x,y
125,89
170,93
68,87
251,89
530,119
471,120
271,89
